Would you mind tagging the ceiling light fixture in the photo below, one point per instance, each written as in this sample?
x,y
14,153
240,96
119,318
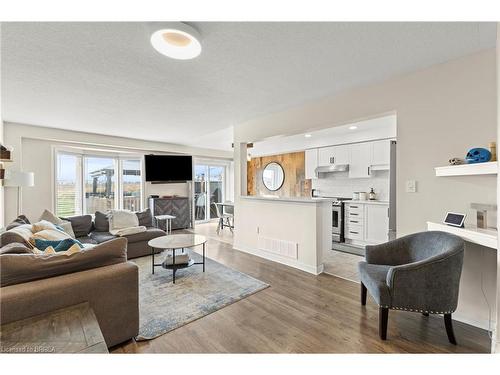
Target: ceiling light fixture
x,y
353,127
308,135
177,40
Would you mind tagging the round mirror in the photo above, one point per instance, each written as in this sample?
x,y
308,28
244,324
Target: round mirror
x,y
273,176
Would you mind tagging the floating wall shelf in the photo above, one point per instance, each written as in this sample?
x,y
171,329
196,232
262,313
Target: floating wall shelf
x,y
483,237
468,169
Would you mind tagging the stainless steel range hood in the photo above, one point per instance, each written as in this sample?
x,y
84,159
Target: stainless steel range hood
x,y
332,168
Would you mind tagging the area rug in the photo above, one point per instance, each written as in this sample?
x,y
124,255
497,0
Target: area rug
x,y
164,306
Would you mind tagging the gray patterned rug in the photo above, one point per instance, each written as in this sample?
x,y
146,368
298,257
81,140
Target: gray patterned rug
x,y
164,306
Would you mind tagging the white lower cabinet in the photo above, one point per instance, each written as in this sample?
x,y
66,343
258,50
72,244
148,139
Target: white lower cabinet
x,y
366,223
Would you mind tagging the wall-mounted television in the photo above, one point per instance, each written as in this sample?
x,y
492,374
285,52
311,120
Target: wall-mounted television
x,y
169,168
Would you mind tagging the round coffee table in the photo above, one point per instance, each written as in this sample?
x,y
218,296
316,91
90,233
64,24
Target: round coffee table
x,y
174,242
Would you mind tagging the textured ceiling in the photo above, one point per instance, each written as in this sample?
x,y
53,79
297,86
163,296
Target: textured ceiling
x,y
106,78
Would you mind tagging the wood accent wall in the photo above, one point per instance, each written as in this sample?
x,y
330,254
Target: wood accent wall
x,y
295,184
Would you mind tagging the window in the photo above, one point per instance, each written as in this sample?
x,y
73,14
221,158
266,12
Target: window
x,y
68,185
89,183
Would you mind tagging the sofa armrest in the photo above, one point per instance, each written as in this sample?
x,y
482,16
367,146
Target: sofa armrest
x,y
112,292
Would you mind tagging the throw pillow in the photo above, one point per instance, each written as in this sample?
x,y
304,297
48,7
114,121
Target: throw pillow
x,y
49,234
20,220
23,230
42,225
58,245
101,221
145,218
82,225
49,216
66,226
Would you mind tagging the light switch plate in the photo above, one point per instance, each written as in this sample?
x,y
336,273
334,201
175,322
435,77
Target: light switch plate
x,y
411,186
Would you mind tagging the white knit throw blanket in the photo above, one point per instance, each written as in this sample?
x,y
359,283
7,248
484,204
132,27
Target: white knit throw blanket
x,y
124,222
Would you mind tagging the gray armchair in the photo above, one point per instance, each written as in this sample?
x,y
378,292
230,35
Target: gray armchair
x,y
419,272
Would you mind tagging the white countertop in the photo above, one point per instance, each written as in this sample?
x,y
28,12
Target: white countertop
x,y
367,202
483,237
287,199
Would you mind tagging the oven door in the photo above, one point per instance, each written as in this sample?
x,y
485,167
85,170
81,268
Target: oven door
x,y
337,223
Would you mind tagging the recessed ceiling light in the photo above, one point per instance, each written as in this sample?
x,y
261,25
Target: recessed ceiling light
x,y
308,135
353,127
178,41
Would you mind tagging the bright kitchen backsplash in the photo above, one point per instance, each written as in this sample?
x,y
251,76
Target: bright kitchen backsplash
x,y
340,185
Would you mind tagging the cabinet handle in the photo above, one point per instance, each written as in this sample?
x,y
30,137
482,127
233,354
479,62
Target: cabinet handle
x,y
353,221
353,214
333,158
368,171
353,206
353,232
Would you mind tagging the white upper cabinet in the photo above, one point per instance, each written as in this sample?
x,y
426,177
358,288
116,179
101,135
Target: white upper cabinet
x,y
333,155
360,160
311,163
381,152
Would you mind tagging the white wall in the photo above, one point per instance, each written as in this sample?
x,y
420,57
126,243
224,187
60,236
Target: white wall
x,y
33,152
441,112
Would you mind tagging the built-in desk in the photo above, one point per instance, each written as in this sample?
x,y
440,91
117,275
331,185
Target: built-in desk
x,y
483,237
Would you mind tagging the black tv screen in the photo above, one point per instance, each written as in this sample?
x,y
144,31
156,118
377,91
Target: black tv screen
x,y
168,168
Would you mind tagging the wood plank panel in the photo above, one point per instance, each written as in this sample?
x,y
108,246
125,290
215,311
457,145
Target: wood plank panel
x,y
295,184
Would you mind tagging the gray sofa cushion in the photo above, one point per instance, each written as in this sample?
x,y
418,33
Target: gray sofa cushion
x,y
149,234
82,225
373,276
101,221
21,268
101,237
87,240
145,218
15,248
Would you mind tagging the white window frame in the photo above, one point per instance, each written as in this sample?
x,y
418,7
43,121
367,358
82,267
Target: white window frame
x,y
118,157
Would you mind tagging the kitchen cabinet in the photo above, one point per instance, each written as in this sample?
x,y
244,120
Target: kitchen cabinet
x,y
333,155
360,160
377,223
366,223
311,163
381,153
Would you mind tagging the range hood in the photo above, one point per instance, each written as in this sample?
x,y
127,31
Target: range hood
x,y
332,168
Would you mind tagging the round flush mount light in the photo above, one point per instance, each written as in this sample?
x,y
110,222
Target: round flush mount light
x,y
177,41
308,135
353,127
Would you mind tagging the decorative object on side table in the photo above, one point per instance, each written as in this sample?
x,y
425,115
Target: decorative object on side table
x,y
478,155
482,213
371,195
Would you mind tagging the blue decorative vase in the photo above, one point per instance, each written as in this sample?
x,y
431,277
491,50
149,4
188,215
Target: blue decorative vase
x,y
478,155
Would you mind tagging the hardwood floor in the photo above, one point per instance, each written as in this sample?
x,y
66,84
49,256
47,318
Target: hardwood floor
x,y
303,313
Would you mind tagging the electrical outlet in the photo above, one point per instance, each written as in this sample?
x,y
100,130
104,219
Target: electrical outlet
x,y
411,186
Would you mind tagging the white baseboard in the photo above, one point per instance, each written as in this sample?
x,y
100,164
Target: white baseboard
x,y
282,260
473,322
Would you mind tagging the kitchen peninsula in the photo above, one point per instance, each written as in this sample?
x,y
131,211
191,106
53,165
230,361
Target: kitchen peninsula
x,y
294,231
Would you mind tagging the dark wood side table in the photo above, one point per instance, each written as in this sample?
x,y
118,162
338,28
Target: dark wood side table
x,y
73,329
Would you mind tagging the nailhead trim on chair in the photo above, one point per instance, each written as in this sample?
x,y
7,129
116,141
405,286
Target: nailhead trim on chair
x,y
416,310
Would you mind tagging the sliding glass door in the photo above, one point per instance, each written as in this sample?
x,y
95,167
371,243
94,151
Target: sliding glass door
x,y
209,188
86,183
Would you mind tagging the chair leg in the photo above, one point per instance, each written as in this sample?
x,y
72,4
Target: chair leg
x,y
363,294
449,329
383,317
425,314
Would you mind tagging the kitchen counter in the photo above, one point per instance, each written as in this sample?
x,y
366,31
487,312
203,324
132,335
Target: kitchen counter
x,y
287,199
367,202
